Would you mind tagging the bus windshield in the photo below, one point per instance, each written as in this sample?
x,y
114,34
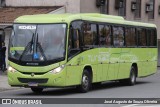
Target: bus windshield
x,y
37,42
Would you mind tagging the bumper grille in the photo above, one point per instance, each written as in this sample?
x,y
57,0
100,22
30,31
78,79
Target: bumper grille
x,y
36,73
27,80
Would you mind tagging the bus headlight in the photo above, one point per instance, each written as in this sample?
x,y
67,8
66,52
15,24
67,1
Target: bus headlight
x,y
58,69
11,69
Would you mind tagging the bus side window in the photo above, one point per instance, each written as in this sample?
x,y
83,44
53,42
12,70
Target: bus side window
x,y
130,35
90,35
153,38
107,33
142,38
149,43
104,35
118,36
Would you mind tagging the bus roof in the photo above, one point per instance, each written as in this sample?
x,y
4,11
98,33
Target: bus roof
x,y
67,18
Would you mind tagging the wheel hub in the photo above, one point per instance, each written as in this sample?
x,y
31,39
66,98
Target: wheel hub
x,y
85,81
133,78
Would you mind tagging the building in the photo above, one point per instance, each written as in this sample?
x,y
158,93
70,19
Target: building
x,y
134,10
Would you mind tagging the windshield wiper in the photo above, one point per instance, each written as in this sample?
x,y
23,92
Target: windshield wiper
x,y
29,46
38,45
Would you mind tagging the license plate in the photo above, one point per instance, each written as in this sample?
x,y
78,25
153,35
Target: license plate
x,y
32,84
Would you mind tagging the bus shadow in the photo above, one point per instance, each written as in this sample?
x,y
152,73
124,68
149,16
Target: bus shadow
x,y
72,90
112,85
53,92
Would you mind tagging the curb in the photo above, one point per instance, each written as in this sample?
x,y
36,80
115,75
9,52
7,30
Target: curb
x,y
7,89
4,86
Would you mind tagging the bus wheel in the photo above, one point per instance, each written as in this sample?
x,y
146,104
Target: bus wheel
x,y
132,79
36,89
85,82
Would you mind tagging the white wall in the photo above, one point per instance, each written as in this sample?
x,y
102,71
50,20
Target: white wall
x,y
89,6
72,6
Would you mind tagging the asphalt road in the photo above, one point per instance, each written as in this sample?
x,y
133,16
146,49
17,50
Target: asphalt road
x,y
148,87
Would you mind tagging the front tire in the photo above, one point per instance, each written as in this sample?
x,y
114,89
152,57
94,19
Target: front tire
x,y
85,82
37,90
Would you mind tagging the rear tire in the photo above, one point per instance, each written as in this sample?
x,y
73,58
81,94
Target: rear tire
x,y
85,82
132,78
37,90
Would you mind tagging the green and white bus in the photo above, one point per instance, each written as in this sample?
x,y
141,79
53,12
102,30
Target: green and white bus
x,y
63,50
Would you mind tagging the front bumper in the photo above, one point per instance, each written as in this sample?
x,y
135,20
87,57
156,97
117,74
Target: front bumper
x,y
42,80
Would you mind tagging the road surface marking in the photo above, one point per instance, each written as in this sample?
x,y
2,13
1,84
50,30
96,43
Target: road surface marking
x,y
9,90
137,105
132,105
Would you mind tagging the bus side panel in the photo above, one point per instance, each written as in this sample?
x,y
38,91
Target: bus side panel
x,y
150,65
77,64
146,61
103,63
153,60
95,72
113,63
73,76
141,59
125,63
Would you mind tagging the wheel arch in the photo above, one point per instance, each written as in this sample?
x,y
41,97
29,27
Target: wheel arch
x,y
89,69
136,68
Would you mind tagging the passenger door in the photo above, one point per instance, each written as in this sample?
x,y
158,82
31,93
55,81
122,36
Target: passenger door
x,y
73,66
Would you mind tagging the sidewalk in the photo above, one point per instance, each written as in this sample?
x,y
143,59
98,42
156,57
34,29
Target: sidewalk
x,y
4,83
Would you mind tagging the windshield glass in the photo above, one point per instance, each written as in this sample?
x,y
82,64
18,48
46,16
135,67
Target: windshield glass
x,y
41,42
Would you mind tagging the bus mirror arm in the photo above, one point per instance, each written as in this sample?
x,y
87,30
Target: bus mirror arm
x,y
8,27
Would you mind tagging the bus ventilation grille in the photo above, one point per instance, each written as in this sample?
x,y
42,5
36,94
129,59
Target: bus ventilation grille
x,y
28,80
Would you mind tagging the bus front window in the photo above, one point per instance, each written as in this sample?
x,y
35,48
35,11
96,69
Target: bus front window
x,y
43,42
